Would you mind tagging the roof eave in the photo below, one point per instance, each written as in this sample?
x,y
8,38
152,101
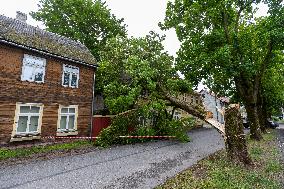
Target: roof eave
x,y
5,41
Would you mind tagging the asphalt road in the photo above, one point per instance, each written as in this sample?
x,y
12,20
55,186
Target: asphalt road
x,y
131,166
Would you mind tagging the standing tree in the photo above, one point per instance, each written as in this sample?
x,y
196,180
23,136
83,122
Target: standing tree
x,y
88,21
223,43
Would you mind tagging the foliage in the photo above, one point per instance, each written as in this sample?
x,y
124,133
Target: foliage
x,y
121,126
25,152
273,87
128,125
177,128
88,21
133,71
226,45
223,39
217,172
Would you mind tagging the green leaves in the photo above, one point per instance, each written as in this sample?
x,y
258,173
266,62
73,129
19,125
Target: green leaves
x,y
133,71
90,22
223,41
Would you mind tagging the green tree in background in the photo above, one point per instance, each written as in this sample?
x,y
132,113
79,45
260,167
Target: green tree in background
x,y
88,21
273,89
224,44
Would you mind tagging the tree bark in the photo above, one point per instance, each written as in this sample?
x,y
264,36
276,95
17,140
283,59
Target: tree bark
x,y
255,132
236,146
262,116
248,91
262,119
195,110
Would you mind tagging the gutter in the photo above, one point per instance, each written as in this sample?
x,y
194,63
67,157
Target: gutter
x,y
93,101
46,53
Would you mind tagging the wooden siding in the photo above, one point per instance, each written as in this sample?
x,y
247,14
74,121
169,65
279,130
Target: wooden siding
x,y
51,93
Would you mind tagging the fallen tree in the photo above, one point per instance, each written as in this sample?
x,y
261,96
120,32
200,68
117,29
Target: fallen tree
x,y
138,74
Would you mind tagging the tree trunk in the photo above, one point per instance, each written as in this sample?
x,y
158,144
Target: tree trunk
x,y
255,132
262,118
249,92
195,110
236,146
261,112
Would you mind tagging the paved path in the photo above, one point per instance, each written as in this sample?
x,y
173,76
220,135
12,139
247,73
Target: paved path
x,y
132,166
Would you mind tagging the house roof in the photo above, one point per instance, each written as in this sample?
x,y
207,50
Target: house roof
x,y
19,33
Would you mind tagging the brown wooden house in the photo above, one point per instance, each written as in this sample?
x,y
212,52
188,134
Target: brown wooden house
x,y
46,83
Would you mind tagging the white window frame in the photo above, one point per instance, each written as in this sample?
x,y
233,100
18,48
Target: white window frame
x,y
71,70
27,61
74,130
177,115
18,114
142,121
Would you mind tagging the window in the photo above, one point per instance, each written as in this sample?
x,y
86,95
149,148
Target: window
x,y
67,118
197,101
142,120
177,115
33,69
184,98
28,120
70,77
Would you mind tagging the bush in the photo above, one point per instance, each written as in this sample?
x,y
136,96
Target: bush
x,y
177,128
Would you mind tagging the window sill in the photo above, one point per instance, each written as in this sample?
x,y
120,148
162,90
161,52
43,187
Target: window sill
x,y
66,133
23,138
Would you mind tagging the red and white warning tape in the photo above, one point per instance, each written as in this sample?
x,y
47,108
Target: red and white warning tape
x,y
66,137
147,136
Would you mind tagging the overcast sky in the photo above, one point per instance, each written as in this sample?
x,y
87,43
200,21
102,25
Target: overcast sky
x,y
141,16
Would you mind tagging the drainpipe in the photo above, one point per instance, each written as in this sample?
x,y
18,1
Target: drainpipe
x,y
93,101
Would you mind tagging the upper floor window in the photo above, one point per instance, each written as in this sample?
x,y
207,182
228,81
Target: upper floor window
x,y
70,77
33,69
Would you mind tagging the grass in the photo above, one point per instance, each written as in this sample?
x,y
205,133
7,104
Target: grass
x,y
26,152
217,172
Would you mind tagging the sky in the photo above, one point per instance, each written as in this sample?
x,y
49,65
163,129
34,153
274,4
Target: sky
x,y
141,16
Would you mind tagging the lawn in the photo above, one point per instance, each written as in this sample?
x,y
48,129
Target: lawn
x,y
26,152
217,172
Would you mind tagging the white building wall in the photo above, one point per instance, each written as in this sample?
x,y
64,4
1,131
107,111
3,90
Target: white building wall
x,y
210,103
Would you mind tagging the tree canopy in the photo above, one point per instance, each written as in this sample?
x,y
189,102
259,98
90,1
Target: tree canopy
x,y
88,21
225,44
137,72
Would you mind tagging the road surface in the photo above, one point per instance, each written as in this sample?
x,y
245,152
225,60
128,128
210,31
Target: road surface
x,y
143,165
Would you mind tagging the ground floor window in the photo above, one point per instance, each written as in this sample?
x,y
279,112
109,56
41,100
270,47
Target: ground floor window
x,y
67,121
28,118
